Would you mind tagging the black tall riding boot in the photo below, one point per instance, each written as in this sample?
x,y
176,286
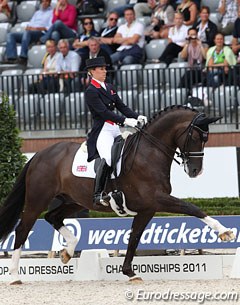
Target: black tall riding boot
x,y
102,175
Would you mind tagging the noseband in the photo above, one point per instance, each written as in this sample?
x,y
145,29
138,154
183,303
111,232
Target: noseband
x,y
186,154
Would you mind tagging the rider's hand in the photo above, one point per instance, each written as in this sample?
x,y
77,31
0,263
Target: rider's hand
x,y
131,122
142,119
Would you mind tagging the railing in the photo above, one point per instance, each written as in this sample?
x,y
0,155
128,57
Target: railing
x,y
145,89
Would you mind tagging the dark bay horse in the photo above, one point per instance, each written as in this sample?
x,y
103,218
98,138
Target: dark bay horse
x,y
144,179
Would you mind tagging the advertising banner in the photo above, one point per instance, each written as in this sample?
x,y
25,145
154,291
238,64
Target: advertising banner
x,y
113,233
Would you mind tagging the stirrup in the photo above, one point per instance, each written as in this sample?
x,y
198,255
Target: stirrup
x,y
102,199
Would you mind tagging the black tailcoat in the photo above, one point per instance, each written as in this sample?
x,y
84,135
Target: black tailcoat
x,y
102,103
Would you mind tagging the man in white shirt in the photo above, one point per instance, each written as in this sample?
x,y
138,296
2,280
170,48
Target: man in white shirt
x,y
130,37
39,23
67,66
177,38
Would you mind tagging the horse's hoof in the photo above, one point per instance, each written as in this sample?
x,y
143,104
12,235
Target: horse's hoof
x,y
17,282
227,236
136,279
64,256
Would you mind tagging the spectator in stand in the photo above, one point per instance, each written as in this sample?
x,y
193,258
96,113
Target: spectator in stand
x,y
228,14
206,28
175,3
5,11
64,22
220,58
49,81
129,4
67,65
130,36
95,50
107,34
194,52
142,8
189,11
177,37
40,21
236,34
81,44
90,7
161,20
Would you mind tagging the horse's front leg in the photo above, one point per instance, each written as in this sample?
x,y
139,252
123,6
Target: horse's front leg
x,y
170,204
140,221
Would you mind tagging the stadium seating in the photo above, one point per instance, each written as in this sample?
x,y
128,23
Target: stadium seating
x,y
129,76
35,56
153,75
155,48
174,73
25,10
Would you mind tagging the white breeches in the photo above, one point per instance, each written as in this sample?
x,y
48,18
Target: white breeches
x,y
105,140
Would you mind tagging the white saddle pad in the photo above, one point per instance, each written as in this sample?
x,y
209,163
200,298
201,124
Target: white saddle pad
x,y
82,168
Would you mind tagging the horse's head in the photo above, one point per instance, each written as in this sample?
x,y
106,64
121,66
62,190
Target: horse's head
x,y
191,143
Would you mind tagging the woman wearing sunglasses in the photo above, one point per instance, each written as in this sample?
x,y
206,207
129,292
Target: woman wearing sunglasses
x,y
81,44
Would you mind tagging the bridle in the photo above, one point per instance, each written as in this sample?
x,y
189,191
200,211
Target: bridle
x,y
185,155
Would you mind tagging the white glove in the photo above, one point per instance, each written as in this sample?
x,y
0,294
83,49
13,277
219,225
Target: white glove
x,y
142,119
131,122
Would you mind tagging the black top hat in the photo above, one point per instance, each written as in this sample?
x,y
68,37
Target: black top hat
x,y
95,62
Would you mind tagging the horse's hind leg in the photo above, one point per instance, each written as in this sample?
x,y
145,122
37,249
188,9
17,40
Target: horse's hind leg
x,y
55,217
21,233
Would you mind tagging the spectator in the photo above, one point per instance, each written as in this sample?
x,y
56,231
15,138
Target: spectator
x,y
195,54
90,7
95,50
161,20
81,44
130,36
176,38
49,81
189,11
67,65
142,9
40,21
175,3
120,10
64,22
107,34
228,14
5,11
236,34
206,28
220,58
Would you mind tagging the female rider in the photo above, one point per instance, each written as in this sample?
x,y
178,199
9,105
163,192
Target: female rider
x,y
102,99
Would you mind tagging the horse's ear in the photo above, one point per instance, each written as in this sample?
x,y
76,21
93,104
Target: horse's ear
x,y
213,119
202,120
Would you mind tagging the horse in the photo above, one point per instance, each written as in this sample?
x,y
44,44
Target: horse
x,y
144,179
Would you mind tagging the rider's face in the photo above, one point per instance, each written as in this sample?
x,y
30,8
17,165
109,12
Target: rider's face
x,y
99,73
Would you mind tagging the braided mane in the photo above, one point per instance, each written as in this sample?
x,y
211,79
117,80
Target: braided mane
x,y
132,140
167,110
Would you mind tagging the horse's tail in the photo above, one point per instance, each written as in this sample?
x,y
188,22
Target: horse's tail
x,y
13,205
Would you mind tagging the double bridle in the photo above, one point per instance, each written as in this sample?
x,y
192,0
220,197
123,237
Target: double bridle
x,y
186,154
